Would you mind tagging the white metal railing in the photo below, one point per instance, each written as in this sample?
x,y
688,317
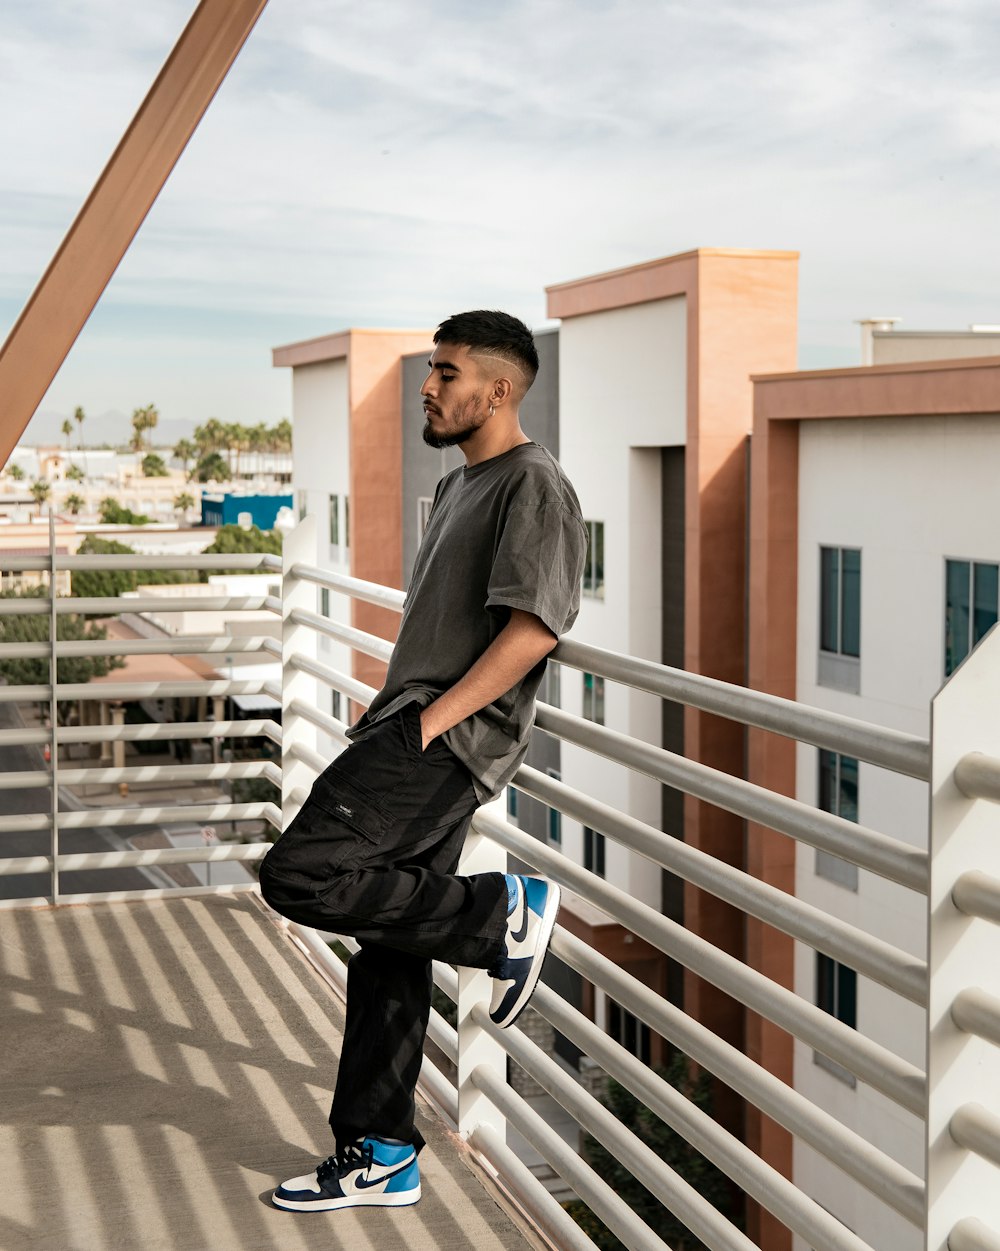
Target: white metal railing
x,y
958,872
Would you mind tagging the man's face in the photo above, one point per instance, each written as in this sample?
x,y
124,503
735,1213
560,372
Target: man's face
x,y
456,396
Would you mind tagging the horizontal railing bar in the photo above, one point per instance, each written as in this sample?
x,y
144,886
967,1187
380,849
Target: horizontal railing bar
x,y
977,1012
309,756
892,749
977,1129
351,687
359,640
174,773
742,1165
115,605
356,588
872,1063
336,729
973,1235
978,776
606,1205
525,1190
68,861
883,963
849,1151
219,562
153,732
977,894
187,646
152,892
130,690
888,857
164,814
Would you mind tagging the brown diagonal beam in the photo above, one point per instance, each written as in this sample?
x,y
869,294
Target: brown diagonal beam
x,y
113,212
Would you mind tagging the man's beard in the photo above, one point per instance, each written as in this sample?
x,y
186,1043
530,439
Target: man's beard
x,y
475,418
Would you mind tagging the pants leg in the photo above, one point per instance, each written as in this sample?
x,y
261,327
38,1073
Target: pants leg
x,y
373,853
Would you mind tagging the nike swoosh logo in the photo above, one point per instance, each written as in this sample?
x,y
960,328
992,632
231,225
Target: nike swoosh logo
x,y
521,933
361,1184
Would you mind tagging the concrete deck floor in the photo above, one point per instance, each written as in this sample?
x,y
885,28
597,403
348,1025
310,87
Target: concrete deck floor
x,y
165,1064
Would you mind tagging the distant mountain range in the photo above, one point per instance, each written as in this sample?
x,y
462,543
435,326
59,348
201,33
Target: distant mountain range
x,y
110,427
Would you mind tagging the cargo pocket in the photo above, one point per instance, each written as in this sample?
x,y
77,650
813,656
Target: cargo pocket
x,y
351,803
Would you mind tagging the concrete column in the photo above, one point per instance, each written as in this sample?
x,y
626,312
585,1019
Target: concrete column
x,y
118,747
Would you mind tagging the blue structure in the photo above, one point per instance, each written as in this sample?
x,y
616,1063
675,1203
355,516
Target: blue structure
x,y
226,509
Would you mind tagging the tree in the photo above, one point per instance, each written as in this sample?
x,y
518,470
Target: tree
x,y
67,429
75,474
231,540
112,514
283,436
153,466
16,472
35,629
143,420
74,503
185,451
94,583
183,504
79,416
212,468
40,492
698,1172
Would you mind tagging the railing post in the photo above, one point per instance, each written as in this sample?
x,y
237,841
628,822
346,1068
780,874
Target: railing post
x,y
964,951
475,1047
299,547
53,708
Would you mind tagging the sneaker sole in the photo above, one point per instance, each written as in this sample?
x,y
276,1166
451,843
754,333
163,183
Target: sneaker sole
x,y
401,1199
548,924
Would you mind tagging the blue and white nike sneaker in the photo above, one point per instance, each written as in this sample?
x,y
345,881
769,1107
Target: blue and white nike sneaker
x,y
529,930
369,1173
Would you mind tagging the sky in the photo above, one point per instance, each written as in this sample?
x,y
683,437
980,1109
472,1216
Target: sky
x,y
388,163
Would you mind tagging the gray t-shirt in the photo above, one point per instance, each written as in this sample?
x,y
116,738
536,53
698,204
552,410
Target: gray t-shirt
x,y
506,533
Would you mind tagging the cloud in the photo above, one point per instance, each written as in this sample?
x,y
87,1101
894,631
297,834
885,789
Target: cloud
x,y
388,162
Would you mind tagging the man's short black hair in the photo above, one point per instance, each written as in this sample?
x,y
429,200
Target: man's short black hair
x,y
494,334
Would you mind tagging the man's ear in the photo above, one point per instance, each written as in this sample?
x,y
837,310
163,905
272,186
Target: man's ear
x,y
502,388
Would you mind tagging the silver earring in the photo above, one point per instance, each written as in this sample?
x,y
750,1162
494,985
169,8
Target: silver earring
x,y
492,411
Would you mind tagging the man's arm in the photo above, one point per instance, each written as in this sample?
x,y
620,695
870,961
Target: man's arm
x,y
520,645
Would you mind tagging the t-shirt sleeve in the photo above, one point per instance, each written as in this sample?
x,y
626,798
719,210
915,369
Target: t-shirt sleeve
x,y
539,562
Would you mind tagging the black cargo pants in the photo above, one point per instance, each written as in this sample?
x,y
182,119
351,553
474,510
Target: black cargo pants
x,y
373,853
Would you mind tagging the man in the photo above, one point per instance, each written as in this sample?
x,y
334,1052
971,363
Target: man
x,y
374,850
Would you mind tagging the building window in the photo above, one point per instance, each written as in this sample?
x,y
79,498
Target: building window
x,y
971,592
424,505
302,504
593,570
335,705
324,601
840,596
629,1031
838,793
555,816
511,803
334,520
593,851
837,989
840,618
347,521
551,684
593,698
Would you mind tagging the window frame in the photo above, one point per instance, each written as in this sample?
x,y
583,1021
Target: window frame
x,y
974,635
593,570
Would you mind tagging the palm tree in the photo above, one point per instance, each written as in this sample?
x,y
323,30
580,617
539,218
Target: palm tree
x,y
258,441
185,451
143,419
74,503
183,504
40,491
67,429
79,416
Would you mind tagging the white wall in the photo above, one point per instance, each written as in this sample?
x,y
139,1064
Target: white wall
x,y
321,467
622,396
909,492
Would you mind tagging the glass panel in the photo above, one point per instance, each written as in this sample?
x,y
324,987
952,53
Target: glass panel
x,y
847,792
956,613
347,521
555,825
850,602
588,696
827,780
324,601
824,983
847,995
598,559
829,595
984,604
588,567
512,802
598,715
334,520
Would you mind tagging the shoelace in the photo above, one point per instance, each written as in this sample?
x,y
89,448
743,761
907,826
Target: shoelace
x,y
347,1159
